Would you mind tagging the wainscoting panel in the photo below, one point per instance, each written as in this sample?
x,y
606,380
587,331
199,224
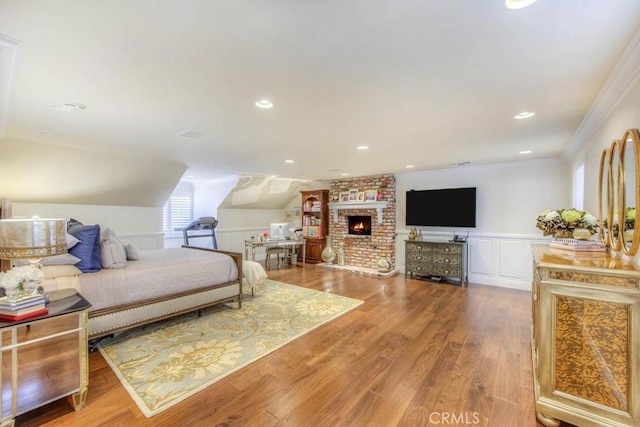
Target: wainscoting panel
x,y
510,256
480,256
227,239
502,260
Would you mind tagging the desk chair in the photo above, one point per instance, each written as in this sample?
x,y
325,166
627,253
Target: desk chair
x,y
277,251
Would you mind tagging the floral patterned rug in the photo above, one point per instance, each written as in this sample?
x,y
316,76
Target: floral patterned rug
x,y
166,362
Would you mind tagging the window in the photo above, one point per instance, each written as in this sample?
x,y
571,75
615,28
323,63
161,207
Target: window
x,y
178,211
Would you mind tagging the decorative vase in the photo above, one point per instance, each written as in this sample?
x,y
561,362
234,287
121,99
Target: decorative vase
x,y
340,256
413,234
328,254
383,265
581,234
563,234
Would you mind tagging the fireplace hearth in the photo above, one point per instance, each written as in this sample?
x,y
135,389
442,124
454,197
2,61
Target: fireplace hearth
x,y
360,225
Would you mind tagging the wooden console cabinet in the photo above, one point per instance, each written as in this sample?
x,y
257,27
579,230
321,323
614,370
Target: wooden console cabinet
x,y
45,358
586,339
436,258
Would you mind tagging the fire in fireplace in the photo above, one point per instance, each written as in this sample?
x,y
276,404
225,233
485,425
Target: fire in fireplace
x,y
360,225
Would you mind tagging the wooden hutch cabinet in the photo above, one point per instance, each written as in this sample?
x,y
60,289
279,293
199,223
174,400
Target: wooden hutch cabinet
x,y
315,222
586,339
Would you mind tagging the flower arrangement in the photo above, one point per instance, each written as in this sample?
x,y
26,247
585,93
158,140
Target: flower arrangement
x,y
562,222
629,221
17,279
629,218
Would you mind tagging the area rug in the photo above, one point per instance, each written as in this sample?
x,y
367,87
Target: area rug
x,y
164,363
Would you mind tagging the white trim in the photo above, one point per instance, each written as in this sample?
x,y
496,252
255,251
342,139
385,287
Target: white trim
x,y
378,206
8,59
623,78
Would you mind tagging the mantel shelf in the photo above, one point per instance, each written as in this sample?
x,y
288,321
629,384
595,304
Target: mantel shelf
x,y
378,206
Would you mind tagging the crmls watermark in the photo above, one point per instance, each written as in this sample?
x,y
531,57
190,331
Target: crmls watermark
x,y
457,418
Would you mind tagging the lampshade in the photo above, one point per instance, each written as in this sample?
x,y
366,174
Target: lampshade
x,y
32,238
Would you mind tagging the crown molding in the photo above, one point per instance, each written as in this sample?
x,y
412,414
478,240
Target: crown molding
x,y
622,79
8,58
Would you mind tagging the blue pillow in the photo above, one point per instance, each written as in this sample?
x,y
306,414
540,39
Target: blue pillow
x,y
88,250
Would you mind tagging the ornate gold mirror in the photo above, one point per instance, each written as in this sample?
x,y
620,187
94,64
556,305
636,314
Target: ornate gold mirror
x,y
613,192
629,191
604,190
619,193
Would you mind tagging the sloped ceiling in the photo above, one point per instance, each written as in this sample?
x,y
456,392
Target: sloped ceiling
x,y
42,173
266,192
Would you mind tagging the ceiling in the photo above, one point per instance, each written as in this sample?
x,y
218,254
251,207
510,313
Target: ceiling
x,y
425,83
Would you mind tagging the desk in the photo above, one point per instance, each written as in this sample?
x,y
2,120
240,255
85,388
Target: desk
x,y
273,244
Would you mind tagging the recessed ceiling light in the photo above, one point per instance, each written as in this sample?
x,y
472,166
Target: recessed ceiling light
x,y
191,134
345,174
264,103
526,152
69,107
524,115
408,166
518,4
363,147
288,161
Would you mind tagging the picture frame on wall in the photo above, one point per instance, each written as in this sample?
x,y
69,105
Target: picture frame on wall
x,y
360,196
343,197
370,195
288,215
297,212
353,195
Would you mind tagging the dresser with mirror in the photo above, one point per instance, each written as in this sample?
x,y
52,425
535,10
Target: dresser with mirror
x,y
586,310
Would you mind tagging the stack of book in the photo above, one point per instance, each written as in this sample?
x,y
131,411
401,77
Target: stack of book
x,y
578,246
25,308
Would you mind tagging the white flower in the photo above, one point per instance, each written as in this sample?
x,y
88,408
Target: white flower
x,y
590,220
551,216
16,276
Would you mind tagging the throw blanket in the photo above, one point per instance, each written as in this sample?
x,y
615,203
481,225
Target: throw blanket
x,y
253,273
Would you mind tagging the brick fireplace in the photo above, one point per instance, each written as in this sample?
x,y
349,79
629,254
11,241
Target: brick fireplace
x,y
361,250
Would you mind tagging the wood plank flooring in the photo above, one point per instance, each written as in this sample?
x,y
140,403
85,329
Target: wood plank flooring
x,y
416,353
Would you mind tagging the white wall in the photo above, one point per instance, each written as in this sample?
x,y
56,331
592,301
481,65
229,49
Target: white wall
x,y
626,115
208,195
141,226
509,198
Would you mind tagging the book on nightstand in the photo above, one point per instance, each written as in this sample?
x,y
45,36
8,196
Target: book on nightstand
x,y
32,313
22,302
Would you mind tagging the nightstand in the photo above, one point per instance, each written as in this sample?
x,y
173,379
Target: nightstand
x,y
45,358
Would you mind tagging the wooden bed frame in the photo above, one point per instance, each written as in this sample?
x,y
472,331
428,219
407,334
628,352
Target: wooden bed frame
x,y
110,320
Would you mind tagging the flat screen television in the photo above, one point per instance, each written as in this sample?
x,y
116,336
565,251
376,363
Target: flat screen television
x,y
448,207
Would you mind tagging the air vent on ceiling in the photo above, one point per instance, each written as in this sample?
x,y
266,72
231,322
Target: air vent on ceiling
x,y
191,134
69,107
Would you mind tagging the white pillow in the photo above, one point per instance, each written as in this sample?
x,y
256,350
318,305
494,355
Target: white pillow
x,y
112,253
54,271
64,259
71,241
132,252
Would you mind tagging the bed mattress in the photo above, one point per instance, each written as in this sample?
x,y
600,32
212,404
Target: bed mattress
x,y
158,273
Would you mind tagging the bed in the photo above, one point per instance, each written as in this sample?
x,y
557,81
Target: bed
x,y
161,284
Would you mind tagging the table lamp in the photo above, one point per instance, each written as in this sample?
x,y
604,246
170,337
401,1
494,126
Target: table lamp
x,y
32,238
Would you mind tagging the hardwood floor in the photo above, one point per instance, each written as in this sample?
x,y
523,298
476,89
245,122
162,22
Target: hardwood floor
x,y
416,353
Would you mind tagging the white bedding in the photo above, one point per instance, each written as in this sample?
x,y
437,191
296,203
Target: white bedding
x,y
158,273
